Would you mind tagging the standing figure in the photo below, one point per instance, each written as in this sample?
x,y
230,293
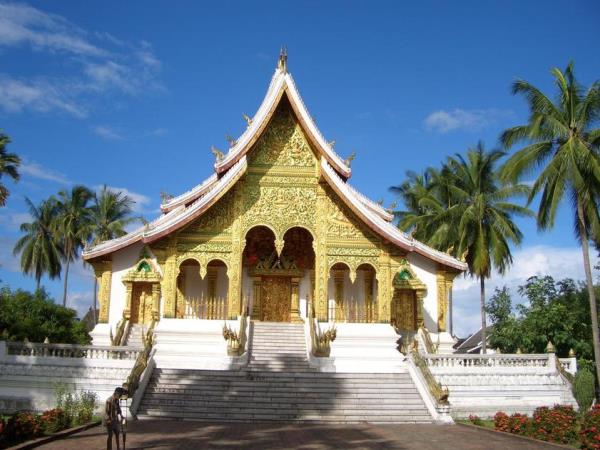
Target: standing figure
x,y
112,418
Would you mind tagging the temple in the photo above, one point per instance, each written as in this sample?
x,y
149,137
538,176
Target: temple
x,y
276,226
275,291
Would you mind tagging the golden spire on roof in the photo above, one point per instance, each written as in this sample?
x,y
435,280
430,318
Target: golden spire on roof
x,y
282,63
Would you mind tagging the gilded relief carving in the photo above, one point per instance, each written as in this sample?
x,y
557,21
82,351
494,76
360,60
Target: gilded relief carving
x,y
283,143
276,299
141,303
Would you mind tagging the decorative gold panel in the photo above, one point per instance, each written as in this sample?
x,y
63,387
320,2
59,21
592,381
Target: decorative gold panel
x,y
276,299
404,309
141,303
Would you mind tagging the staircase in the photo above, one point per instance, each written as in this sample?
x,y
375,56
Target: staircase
x,y
134,336
279,385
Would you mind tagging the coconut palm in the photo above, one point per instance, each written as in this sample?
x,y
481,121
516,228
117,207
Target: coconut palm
x,y
483,214
9,164
40,253
463,209
72,225
110,214
561,141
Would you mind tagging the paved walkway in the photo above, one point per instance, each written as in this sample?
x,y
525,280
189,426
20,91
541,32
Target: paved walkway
x,y
161,435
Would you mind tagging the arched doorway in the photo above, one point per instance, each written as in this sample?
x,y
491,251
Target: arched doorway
x,y
202,298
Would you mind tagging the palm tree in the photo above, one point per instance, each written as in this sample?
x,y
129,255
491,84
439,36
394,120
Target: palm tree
x,y
463,209
483,215
72,225
9,164
562,142
40,253
110,214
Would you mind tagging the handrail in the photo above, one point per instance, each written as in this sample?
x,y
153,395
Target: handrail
x,y
237,339
439,393
320,341
465,360
430,347
141,362
561,370
120,332
71,350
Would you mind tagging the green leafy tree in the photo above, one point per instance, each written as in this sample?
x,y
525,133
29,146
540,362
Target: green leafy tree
x,y
40,252
563,144
35,317
111,212
72,225
554,311
9,165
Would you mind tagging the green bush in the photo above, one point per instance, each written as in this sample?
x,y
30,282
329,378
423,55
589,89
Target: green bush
x,y
78,407
584,389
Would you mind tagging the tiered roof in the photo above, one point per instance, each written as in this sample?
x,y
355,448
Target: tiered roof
x,y
183,209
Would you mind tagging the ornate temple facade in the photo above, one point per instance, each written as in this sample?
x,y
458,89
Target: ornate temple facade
x,y
277,231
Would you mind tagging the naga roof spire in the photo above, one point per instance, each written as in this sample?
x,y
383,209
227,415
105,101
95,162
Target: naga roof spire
x,y
282,63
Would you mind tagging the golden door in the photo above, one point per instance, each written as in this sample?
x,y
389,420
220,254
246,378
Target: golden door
x,y
404,309
276,299
141,303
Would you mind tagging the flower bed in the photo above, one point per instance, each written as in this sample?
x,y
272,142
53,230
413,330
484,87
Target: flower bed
x,y
559,424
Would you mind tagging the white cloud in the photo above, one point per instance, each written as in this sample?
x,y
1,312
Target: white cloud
x,y
37,171
37,95
80,301
141,200
104,63
558,262
107,133
7,260
443,121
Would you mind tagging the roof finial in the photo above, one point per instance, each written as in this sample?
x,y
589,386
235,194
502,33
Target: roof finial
x,y
282,63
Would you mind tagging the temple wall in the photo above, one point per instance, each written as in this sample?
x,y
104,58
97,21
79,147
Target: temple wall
x,y
425,270
122,262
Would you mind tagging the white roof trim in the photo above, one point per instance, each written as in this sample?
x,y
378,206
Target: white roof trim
x,y
190,195
375,207
280,81
381,226
175,218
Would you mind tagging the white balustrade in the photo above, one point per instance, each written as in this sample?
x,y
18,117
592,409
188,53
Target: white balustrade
x,y
71,351
492,361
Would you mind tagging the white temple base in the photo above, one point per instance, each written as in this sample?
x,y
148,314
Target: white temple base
x,y
194,344
101,334
366,348
445,343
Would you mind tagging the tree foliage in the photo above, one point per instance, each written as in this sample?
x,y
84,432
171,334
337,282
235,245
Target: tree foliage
x,y
556,311
35,317
9,165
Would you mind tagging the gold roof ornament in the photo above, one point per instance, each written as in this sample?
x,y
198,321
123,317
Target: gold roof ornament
x,y
349,159
550,347
282,63
331,143
219,155
248,119
230,139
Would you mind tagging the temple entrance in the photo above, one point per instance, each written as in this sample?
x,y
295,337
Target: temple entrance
x,y
275,299
404,310
141,303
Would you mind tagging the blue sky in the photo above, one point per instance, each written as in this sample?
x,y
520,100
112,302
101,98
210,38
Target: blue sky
x,y
133,94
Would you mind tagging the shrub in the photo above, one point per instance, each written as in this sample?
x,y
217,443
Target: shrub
x,y
589,433
84,406
21,426
584,389
555,425
475,420
501,421
54,420
519,424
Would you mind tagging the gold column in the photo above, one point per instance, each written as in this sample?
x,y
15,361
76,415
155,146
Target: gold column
x,y
103,272
256,311
211,290
320,248
384,300
338,286
368,285
180,301
442,300
237,247
128,291
169,282
295,310
155,301
420,297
